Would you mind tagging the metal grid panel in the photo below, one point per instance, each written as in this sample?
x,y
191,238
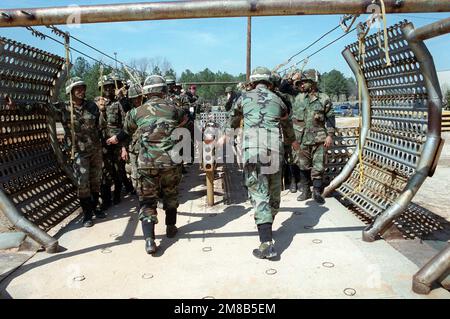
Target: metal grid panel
x,y
344,143
220,118
29,172
398,123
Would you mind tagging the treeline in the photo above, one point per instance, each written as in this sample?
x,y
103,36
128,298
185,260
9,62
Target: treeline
x,y
334,83
211,93
337,86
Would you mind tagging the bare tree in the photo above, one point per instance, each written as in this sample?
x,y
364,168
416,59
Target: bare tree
x,y
146,66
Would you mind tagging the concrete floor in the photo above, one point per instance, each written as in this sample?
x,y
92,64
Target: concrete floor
x,y
320,247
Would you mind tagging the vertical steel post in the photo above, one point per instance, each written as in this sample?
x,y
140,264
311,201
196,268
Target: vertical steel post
x,y
210,186
249,46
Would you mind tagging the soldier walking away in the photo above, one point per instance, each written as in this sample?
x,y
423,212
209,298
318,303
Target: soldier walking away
x,y
263,112
86,125
159,175
314,126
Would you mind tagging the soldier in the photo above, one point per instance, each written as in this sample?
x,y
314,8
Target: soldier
x,y
289,176
136,99
263,111
113,111
159,175
174,94
87,126
182,101
231,98
314,125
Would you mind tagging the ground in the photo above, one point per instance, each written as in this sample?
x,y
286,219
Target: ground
x,y
321,254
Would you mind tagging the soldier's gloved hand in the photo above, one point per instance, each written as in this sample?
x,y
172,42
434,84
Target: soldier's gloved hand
x,y
112,140
328,141
295,145
124,154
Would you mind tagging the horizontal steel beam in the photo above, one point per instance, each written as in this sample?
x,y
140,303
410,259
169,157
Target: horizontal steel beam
x,y
430,30
205,9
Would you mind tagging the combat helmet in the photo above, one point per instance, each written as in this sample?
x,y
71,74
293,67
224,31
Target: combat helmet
x,y
261,74
154,84
276,79
106,80
228,89
134,91
170,79
311,74
73,82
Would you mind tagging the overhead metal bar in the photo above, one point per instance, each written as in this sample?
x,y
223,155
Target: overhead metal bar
x,y
430,30
205,9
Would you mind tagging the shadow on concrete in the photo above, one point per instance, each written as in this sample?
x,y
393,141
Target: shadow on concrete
x,y
209,222
302,220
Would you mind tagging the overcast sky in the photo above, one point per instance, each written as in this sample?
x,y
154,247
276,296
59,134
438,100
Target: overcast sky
x,y
218,44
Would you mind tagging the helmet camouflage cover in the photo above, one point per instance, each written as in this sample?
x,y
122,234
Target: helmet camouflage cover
x,y
134,91
170,79
311,74
228,89
261,74
154,84
73,82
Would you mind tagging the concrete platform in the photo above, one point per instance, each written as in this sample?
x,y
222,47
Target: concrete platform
x,y
321,255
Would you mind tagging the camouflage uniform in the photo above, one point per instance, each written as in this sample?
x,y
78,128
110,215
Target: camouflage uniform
x,y
134,92
313,120
112,170
261,110
133,152
159,176
88,160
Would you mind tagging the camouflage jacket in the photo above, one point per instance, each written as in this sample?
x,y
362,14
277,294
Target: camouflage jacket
x,y
313,118
262,110
114,115
88,124
154,123
179,100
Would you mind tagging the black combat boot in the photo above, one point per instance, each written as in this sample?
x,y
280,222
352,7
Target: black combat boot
x,y
303,187
97,211
171,220
106,197
293,186
266,249
317,191
86,205
305,193
148,228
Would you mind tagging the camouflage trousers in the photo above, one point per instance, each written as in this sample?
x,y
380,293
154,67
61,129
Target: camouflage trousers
x,y
311,157
264,191
155,184
112,166
88,172
134,169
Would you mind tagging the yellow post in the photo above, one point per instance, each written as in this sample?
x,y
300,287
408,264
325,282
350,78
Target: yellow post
x,y
210,187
